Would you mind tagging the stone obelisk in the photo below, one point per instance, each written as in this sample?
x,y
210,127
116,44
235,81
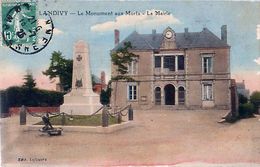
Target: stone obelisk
x,y
81,100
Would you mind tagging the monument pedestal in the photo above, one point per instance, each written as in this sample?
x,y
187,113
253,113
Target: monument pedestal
x,y
81,100
80,105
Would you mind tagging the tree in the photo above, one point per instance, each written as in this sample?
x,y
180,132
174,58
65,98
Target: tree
x,y
121,58
29,81
62,68
106,94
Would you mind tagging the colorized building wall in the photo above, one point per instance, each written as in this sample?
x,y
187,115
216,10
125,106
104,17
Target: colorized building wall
x,y
191,79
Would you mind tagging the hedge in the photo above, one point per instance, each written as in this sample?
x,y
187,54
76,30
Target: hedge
x,y
246,110
18,96
255,100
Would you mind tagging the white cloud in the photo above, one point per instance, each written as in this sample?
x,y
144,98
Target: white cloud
x,y
257,60
258,73
136,20
258,31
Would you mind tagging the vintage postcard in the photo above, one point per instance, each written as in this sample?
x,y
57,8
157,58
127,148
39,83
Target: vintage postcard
x,y
129,83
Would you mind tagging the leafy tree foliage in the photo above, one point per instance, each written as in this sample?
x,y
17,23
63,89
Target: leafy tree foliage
x,y
106,94
121,58
255,99
62,68
246,110
242,99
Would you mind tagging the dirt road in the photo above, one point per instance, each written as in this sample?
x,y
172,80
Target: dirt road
x,y
157,138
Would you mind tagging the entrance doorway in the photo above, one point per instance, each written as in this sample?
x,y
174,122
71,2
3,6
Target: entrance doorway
x,y
169,92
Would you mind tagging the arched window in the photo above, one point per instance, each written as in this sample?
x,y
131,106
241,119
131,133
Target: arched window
x,y
181,95
157,95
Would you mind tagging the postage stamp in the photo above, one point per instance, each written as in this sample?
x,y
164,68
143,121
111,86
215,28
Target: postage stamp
x,y
22,31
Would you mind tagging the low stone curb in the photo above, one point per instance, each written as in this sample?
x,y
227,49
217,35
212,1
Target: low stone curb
x,y
87,129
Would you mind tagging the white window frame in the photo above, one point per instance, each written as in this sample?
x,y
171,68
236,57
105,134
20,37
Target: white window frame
x,y
130,88
210,57
132,67
207,93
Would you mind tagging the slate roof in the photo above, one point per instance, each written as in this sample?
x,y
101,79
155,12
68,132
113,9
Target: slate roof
x,y
203,39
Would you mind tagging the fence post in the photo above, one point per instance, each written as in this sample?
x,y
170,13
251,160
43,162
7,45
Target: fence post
x,y
23,115
130,113
119,118
63,119
104,117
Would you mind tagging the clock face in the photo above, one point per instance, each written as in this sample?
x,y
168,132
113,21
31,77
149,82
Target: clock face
x,y
168,34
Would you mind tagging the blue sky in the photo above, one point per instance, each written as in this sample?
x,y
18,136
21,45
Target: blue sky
x,y
241,19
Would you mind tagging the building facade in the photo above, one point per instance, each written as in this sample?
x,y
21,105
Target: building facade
x,y
189,70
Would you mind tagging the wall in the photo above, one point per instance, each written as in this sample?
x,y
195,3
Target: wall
x,y
222,94
16,110
144,67
220,77
192,80
193,95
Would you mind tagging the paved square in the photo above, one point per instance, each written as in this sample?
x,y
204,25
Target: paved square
x,y
157,138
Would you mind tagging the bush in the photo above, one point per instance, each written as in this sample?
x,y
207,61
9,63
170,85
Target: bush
x,y
246,110
255,100
242,99
18,96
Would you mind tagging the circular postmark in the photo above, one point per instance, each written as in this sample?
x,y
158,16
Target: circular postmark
x,y
22,31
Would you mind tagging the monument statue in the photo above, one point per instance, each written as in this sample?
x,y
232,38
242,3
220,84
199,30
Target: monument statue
x,y
81,100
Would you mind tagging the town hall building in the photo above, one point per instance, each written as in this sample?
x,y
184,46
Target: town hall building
x,y
188,70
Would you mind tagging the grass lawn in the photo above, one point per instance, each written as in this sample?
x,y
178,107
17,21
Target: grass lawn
x,y
80,120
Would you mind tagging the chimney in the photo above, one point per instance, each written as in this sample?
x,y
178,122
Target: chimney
x,y
153,33
186,32
224,33
116,37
